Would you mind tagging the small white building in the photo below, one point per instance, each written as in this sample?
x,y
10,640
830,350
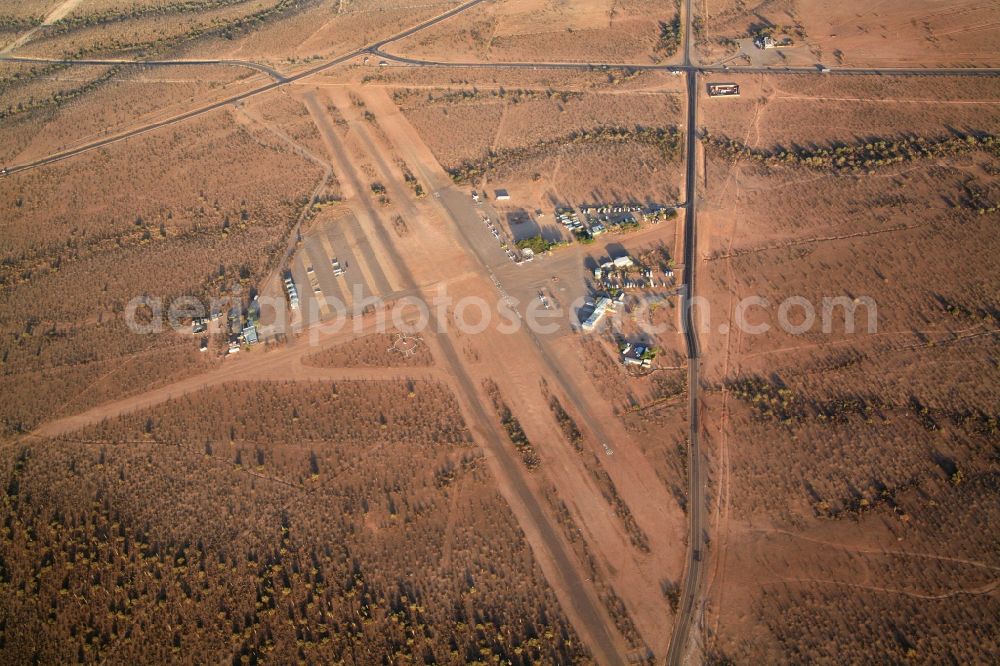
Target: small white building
x,y
600,308
764,42
623,262
502,195
634,355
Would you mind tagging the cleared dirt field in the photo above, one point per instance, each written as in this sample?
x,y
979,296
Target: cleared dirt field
x,y
538,143
852,472
378,351
814,111
363,525
548,31
887,34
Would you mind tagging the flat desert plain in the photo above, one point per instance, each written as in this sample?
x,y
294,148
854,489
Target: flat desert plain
x,y
348,331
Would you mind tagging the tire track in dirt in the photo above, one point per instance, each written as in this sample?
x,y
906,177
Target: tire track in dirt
x,y
975,591
870,551
277,364
224,376
723,500
817,239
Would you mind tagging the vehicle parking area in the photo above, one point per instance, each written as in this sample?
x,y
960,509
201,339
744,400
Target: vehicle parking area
x,y
332,280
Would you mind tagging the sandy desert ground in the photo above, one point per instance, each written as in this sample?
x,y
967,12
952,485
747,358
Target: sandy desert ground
x,y
771,486
885,34
850,468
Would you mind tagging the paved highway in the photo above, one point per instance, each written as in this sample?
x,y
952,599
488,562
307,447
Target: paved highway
x,y
270,71
696,487
691,585
687,67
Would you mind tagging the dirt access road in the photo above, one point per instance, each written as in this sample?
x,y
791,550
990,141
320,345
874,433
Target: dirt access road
x,y
59,12
280,364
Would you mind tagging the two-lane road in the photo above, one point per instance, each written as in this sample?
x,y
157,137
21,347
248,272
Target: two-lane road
x,y
691,588
683,68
